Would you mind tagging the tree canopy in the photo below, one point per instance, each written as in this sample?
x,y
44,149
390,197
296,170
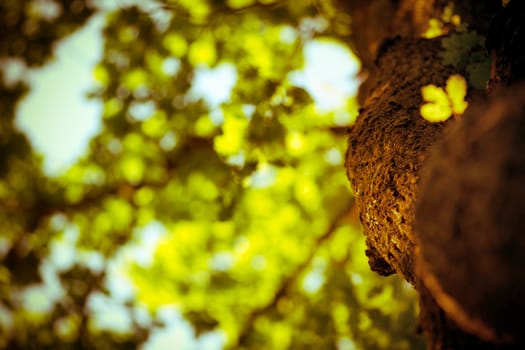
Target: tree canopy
x,y
212,209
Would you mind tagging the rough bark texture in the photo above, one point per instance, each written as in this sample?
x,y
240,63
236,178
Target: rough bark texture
x,y
464,255
386,148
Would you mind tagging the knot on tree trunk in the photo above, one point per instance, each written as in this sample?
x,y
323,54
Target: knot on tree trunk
x,y
387,146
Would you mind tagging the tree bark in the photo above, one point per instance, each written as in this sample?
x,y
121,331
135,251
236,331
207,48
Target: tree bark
x,y
440,203
468,219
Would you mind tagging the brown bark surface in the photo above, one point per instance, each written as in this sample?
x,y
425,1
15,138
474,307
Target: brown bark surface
x,y
386,148
462,247
469,219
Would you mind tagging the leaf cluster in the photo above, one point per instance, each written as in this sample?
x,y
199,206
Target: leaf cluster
x,y
465,50
441,103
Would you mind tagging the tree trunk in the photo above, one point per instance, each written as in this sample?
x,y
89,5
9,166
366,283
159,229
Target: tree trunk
x,y
440,203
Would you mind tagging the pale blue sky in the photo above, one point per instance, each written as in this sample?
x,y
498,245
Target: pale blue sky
x,y
56,114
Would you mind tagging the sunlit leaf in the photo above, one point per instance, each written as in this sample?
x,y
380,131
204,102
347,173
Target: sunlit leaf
x,y
435,29
101,75
240,3
435,113
232,139
132,168
443,103
203,52
457,91
135,78
176,44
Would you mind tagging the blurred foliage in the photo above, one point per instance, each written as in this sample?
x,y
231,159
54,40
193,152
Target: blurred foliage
x,y
235,214
29,28
447,22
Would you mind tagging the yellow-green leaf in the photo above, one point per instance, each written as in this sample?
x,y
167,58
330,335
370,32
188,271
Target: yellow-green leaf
x,y
457,90
203,52
432,93
437,108
176,44
442,103
435,113
232,139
